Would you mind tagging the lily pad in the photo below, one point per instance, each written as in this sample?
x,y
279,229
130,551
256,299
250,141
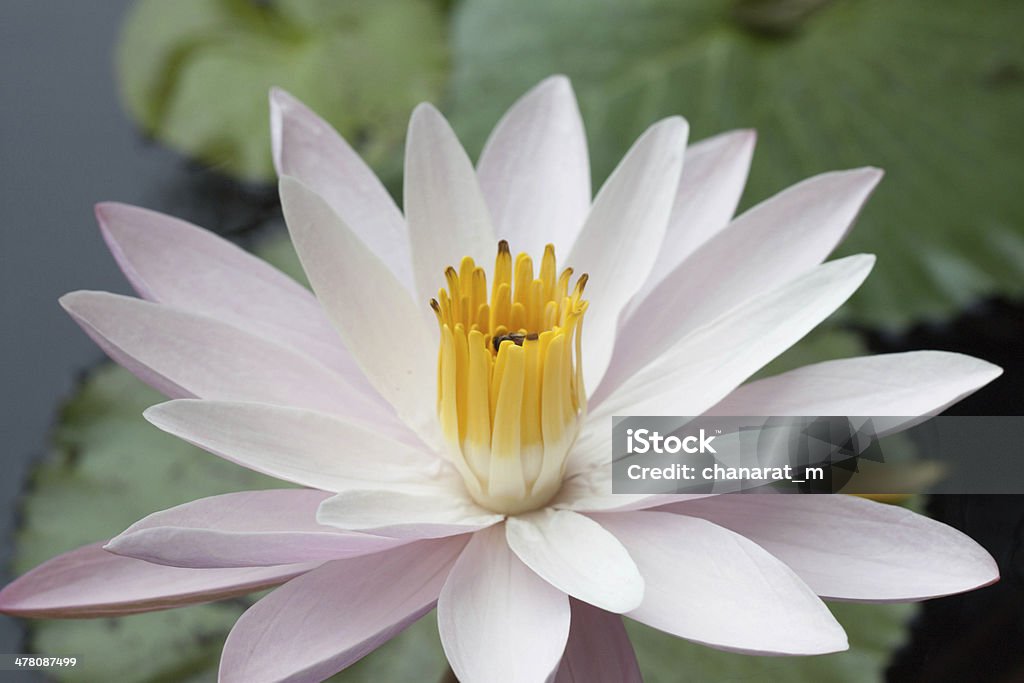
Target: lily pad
x,y
874,632
109,468
931,92
195,74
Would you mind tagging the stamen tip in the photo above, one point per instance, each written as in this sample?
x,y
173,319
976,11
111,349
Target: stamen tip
x,y
503,247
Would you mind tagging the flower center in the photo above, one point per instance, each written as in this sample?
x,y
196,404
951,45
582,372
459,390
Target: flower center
x,y
510,392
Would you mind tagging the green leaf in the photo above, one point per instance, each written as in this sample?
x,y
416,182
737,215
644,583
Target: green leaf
x,y
874,632
108,469
931,92
195,73
825,342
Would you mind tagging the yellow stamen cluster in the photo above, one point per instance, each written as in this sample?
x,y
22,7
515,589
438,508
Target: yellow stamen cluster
x,y
510,392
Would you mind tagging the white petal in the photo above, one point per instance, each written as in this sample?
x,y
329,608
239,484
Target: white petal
x,y
534,170
308,148
713,586
245,529
898,384
311,449
444,206
185,354
408,512
91,582
310,629
574,554
498,620
854,549
702,368
375,316
598,650
709,190
766,247
173,262
619,241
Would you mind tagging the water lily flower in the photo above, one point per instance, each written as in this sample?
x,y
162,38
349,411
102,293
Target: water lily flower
x,y
448,421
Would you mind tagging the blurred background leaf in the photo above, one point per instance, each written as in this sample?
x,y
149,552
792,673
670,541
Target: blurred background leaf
x,y
931,92
195,74
874,631
109,462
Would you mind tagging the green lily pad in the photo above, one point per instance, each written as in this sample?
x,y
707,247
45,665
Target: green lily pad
x,y
874,632
109,468
825,342
931,92
195,74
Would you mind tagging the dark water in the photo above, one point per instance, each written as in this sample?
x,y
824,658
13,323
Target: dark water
x,y
978,636
65,144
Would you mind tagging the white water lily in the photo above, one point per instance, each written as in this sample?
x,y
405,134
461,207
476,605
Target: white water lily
x,y
459,456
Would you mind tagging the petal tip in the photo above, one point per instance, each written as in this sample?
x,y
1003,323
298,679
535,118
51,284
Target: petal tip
x,y
873,174
102,210
72,302
156,415
555,83
279,96
424,112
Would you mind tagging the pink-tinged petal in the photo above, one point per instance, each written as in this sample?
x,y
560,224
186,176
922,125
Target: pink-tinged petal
x,y
534,170
854,549
598,650
498,620
380,324
702,368
638,194
179,264
898,384
766,247
448,218
713,586
247,529
315,626
183,354
577,556
709,190
300,446
407,512
308,148
91,582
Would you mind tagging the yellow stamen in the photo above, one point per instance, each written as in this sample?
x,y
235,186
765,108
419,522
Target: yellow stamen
x,y
510,394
